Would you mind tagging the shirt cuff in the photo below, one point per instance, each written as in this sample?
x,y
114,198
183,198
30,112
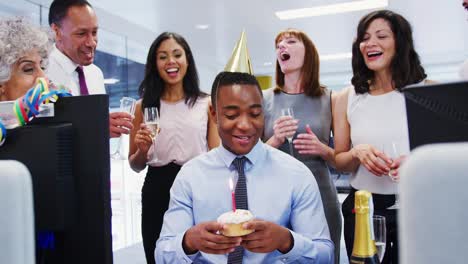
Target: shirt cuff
x,y
180,250
297,250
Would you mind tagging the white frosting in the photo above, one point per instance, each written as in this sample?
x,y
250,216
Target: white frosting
x,y
237,217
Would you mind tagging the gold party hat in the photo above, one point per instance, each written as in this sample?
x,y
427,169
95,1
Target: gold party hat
x,y
240,59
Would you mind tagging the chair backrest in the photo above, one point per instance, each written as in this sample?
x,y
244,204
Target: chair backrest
x,y
16,214
433,220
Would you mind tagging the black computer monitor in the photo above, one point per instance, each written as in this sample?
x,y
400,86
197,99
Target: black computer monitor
x,y
68,158
437,113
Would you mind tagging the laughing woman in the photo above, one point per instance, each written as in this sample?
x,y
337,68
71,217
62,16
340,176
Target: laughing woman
x,y
298,88
171,85
373,112
24,50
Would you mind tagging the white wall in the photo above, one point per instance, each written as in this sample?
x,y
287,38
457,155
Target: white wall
x,y
440,31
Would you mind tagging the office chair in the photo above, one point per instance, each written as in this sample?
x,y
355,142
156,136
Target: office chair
x,y
433,217
16,214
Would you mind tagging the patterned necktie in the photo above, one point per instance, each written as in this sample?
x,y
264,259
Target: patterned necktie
x,y
82,80
236,256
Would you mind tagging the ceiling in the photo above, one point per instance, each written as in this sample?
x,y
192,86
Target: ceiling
x,y
440,31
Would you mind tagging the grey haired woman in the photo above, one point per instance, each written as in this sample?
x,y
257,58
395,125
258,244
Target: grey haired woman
x,y
24,49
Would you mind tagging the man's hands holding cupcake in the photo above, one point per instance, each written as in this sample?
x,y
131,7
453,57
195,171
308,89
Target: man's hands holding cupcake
x,y
204,237
237,228
267,237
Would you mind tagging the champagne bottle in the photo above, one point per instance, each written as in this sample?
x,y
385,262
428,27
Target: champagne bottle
x,y
364,250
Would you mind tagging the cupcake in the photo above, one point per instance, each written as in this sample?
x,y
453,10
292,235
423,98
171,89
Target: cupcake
x,y
233,222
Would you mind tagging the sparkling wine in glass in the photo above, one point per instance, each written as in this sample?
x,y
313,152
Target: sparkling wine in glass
x,y
289,112
392,150
154,128
127,105
151,118
380,235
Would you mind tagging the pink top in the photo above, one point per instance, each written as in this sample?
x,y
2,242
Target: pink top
x,y
183,133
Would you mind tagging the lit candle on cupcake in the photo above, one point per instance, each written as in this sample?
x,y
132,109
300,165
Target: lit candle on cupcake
x,y
233,220
233,195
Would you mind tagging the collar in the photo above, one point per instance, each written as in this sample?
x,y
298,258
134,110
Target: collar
x,y
66,63
253,156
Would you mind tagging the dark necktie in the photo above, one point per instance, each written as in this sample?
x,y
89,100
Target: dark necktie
x,y
236,256
82,80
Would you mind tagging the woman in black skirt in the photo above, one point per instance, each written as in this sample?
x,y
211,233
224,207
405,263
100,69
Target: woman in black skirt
x,y
186,129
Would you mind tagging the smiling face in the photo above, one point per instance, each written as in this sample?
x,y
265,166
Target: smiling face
x,y
171,62
23,76
378,45
76,36
239,115
290,53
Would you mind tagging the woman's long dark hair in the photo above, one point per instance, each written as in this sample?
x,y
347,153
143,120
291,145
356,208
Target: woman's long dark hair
x,y
405,67
152,86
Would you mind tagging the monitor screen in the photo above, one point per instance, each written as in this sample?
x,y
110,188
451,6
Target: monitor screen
x,y
437,113
68,158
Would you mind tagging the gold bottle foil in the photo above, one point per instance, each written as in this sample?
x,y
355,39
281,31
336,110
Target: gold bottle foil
x,y
364,245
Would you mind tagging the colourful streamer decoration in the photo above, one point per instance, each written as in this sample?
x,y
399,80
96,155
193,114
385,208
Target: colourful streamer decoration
x,y
27,107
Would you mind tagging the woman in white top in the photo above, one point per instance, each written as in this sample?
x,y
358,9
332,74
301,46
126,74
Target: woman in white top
x,y
372,113
170,84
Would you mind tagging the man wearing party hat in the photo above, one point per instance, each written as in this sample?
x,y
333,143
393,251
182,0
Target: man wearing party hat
x,y
288,222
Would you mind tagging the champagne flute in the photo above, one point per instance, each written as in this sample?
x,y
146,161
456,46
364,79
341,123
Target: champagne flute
x,y
151,118
380,235
127,105
289,112
392,150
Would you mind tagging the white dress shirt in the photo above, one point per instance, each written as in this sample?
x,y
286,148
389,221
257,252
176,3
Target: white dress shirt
x,y
62,71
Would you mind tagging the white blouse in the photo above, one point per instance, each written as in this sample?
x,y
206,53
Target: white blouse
x,y
377,120
183,133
